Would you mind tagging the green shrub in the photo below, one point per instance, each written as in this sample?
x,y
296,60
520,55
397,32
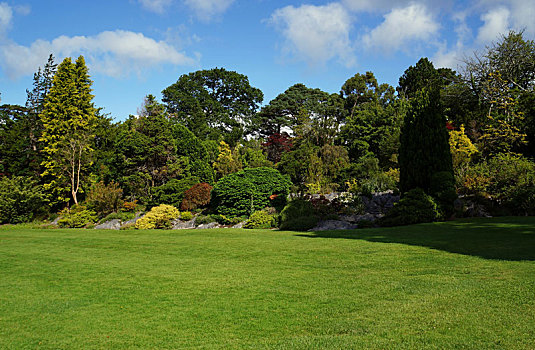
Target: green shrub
x,y
414,207
507,180
172,192
442,189
158,217
259,219
21,200
249,190
197,196
298,215
103,198
76,217
186,216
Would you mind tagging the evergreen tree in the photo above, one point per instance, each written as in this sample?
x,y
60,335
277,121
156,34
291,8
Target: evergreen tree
x,y
424,142
68,118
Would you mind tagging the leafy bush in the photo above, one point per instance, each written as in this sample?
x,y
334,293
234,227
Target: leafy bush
x,y
259,219
249,190
130,206
415,207
197,196
103,198
76,217
21,200
158,217
186,216
507,180
298,215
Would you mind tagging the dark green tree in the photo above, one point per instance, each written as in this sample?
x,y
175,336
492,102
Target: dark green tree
x,y
374,117
424,147
214,103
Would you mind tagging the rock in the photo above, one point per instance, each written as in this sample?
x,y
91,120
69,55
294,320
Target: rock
x,y
328,225
208,226
114,224
182,225
356,218
239,225
132,221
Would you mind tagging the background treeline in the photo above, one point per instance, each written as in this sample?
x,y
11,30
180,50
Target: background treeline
x,y
444,133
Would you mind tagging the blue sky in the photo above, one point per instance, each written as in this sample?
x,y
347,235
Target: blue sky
x,y
137,47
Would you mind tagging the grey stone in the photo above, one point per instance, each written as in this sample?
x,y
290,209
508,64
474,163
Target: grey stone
x,y
183,225
208,226
239,225
328,225
114,224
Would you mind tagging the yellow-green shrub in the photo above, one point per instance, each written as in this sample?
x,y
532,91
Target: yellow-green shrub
x,y
158,217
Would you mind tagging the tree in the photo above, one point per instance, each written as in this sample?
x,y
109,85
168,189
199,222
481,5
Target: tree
x,y
68,118
214,103
374,116
424,147
424,141
309,112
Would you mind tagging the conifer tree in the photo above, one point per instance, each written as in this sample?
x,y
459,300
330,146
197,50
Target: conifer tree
x,y
424,142
68,118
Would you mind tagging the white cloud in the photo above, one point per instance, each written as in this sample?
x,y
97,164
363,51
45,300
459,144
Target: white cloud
x,y
496,22
388,5
23,10
402,26
6,14
207,9
157,6
116,53
316,34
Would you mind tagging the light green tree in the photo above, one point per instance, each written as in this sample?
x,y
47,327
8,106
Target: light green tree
x,y
68,118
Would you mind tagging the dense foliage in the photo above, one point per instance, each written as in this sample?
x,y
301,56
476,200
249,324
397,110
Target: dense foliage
x,y
21,200
158,217
249,190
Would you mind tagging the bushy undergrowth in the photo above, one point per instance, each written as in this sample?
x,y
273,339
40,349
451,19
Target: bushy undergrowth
x,y
506,180
77,217
21,200
159,217
259,219
413,208
298,215
186,216
104,198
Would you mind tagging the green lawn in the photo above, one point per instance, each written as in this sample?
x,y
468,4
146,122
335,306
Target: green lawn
x,y
456,285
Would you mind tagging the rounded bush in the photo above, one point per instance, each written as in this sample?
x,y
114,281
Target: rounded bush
x,y
259,219
250,190
298,215
158,217
415,207
186,216
76,217
197,196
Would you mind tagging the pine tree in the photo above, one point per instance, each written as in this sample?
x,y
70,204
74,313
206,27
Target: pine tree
x,y
68,118
424,142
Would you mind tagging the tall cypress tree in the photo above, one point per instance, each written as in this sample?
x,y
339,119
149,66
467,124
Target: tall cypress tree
x,y
424,153
68,118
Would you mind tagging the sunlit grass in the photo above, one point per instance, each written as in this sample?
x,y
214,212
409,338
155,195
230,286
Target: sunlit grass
x,y
466,284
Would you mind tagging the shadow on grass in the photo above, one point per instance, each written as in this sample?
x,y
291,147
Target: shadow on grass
x,y
505,238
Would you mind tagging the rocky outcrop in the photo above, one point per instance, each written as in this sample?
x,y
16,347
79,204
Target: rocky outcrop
x,y
114,224
208,226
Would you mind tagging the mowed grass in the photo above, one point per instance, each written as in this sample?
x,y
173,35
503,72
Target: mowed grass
x,y
456,285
